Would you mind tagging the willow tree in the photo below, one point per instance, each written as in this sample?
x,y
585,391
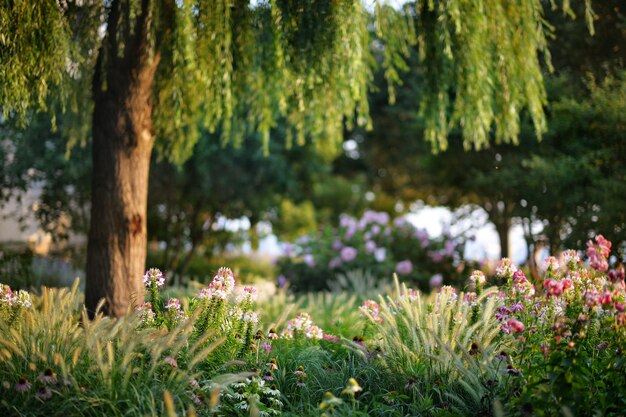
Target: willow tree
x,y
144,74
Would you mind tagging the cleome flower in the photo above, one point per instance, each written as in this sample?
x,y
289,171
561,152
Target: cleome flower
x,y
146,314
154,277
221,287
371,310
302,324
248,294
505,268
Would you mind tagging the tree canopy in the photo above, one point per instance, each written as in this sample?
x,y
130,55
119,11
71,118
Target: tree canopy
x,y
244,67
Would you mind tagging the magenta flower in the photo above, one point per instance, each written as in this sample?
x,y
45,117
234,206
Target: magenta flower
x,y
515,325
598,253
348,254
404,267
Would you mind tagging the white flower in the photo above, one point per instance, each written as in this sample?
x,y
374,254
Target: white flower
x,y
250,317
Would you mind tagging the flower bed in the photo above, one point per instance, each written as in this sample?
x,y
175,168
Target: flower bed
x,y
542,347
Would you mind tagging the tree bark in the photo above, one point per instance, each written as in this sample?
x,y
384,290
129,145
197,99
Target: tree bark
x,y
503,227
122,143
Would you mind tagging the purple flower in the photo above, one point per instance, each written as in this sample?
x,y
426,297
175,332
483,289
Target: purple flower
x,y
348,254
399,221
449,247
370,247
309,260
380,254
350,232
404,267
281,281
288,250
334,263
22,385
337,245
266,346
436,281
517,307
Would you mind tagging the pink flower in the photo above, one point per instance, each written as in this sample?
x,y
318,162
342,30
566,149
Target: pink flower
x,y
519,277
515,325
154,276
173,304
598,253
505,268
606,298
404,267
371,310
266,346
550,264
478,278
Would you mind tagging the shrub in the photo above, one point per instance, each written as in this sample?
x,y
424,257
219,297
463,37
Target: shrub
x,y
379,247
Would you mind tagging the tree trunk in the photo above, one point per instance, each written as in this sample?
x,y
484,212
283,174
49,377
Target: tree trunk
x,y
122,143
502,227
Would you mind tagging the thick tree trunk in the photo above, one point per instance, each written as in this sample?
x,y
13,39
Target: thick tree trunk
x,y
122,143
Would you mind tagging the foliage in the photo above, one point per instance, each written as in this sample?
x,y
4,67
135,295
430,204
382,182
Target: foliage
x,y
570,356
378,247
517,184
54,360
525,348
248,67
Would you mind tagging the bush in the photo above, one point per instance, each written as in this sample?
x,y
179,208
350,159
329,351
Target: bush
x,y
378,247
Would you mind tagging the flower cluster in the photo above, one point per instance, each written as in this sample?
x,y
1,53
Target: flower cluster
x,y
19,298
154,278
375,244
174,311
146,315
598,253
12,302
220,287
371,310
302,325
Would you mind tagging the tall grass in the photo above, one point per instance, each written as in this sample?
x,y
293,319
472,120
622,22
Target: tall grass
x,y
443,346
92,368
